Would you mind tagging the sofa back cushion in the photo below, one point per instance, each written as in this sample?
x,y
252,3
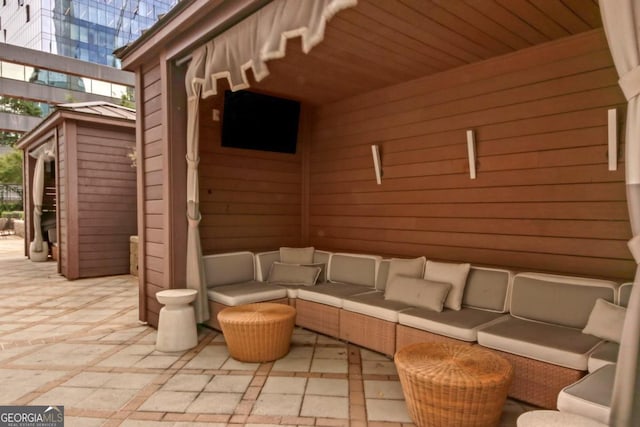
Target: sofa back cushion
x,y
383,274
264,260
624,292
297,255
229,268
447,272
408,267
560,300
321,257
353,268
488,289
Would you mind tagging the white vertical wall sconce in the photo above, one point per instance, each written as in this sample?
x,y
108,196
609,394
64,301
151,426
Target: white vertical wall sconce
x,y
612,136
471,152
375,151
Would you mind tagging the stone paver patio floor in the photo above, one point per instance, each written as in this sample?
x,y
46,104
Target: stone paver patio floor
x,y
79,344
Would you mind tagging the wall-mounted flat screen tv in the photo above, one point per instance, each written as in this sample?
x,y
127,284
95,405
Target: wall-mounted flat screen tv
x,y
260,122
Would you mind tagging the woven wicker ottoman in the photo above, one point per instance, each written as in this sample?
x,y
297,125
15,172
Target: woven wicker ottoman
x,y
259,332
447,384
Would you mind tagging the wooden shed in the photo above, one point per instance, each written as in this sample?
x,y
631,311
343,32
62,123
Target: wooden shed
x,y
89,200
532,84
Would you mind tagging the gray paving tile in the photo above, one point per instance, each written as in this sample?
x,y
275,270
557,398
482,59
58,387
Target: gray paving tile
x,y
277,404
284,385
325,407
383,389
187,382
229,383
215,403
387,410
169,401
327,387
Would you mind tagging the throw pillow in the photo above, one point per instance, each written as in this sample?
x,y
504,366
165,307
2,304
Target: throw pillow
x,y
418,292
456,274
606,321
293,274
406,267
297,255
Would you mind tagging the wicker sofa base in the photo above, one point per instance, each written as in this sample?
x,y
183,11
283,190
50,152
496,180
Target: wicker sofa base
x,y
406,335
375,334
318,317
216,307
537,382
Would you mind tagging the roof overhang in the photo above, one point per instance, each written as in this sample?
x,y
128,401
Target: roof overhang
x,y
376,44
42,132
185,27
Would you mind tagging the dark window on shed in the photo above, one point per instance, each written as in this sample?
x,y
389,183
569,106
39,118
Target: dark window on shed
x,y
28,10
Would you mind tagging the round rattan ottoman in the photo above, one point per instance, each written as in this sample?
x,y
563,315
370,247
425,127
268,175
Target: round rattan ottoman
x,y
453,384
259,332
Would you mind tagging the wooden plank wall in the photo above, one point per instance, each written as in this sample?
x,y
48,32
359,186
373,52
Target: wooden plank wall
x,y
106,199
154,215
543,199
62,201
249,199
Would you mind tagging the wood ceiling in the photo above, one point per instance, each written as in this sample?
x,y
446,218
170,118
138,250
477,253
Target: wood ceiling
x,y
383,42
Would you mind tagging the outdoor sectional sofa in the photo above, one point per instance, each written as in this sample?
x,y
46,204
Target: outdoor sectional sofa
x,y
534,320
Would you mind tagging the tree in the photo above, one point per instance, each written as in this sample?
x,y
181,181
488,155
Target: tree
x,y
11,168
16,106
9,139
127,99
20,106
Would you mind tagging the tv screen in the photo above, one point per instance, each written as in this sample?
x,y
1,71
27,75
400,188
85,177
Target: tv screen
x,y
260,122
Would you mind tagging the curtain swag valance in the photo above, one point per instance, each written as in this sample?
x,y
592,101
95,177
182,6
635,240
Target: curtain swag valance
x,y
257,39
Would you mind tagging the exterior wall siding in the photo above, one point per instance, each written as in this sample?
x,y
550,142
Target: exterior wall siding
x,y
106,199
543,198
62,201
154,217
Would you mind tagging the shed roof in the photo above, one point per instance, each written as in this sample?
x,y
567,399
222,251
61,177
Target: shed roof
x,y
93,111
101,108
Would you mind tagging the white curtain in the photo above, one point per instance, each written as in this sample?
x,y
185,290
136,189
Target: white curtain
x,y
195,267
621,19
37,251
249,44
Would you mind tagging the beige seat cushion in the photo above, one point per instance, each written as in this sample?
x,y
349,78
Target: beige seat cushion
x,y
558,345
605,354
245,293
332,293
459,324
590,396
375,305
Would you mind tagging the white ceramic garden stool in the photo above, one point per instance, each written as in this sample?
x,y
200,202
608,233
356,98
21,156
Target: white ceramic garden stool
x,y
177,324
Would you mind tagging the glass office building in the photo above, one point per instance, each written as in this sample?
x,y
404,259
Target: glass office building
x,y
89,30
